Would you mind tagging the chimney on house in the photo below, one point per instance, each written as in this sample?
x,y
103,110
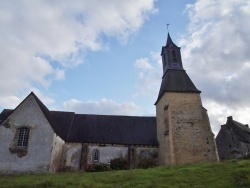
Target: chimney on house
x,y
230,118
246,125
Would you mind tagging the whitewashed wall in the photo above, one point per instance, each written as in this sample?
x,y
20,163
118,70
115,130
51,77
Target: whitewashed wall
x,y
56,154
72,156
107,153
38,155
77,156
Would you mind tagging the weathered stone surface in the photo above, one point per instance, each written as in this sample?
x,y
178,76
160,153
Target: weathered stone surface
x,y
72,156
183,130
78,156
56,163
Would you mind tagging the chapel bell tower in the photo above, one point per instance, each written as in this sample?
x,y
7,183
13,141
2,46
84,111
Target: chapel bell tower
x,y
171,56
183,128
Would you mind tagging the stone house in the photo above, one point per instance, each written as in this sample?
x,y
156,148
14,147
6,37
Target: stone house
x,y
35,139
233,140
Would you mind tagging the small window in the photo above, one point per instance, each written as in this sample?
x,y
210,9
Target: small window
x,y
207,140
174,56
96,155
230,146
23,137
163,60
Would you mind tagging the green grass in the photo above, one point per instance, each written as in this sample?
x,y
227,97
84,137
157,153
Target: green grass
x,y
224,174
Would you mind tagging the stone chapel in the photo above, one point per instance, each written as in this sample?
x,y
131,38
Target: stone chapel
x,y
35,139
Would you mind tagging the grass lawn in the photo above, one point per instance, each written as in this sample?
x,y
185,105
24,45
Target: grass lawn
x,y
228,174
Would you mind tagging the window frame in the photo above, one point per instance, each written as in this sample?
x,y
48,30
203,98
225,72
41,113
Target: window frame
x,y
96,155
23,135
174,56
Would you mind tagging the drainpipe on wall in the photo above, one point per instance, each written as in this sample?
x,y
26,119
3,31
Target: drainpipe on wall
x,y
80,164
129,156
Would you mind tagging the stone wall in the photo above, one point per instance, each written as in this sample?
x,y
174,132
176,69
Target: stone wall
x,y
183,130
36,156
139,153
56,154
79,156
229,145
71,159
107,153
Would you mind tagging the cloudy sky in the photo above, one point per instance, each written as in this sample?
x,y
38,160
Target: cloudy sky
x,y
103,57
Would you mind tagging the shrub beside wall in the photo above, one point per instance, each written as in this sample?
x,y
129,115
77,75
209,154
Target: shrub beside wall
x,y
119,164
98,167
146,163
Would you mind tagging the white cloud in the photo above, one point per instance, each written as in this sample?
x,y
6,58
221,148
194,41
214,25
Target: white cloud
x,y
40,39
48,101
103,106
143,63
59,74
10,101
149,75
216,56
218,114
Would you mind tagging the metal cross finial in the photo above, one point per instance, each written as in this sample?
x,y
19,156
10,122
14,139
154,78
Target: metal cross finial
x,y
167,26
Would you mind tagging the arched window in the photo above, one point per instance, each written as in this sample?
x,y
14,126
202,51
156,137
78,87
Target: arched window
x,y
96,155
23,137
174,56
163,60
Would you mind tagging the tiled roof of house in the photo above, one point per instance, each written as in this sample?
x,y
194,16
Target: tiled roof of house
x,y
241,126
237,129
241,131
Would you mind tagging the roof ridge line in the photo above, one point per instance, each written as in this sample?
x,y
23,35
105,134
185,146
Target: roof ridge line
x,y
113,115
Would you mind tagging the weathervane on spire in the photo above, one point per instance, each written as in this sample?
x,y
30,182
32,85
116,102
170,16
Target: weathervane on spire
x,y
167,26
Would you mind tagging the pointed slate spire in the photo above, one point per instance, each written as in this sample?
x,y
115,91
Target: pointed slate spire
x,y
175,78
171,56
169,40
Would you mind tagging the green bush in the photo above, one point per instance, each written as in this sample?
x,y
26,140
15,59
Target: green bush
x,y
146,163
98,167
119,164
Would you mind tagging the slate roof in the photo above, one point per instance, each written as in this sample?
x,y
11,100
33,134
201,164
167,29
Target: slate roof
x,y
241,126
241,131
4,114
126,130
235,128
176,81
102,129
64,121
54,124
170,41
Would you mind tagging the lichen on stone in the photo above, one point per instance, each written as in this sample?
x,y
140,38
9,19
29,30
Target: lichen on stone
x,y
21,152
